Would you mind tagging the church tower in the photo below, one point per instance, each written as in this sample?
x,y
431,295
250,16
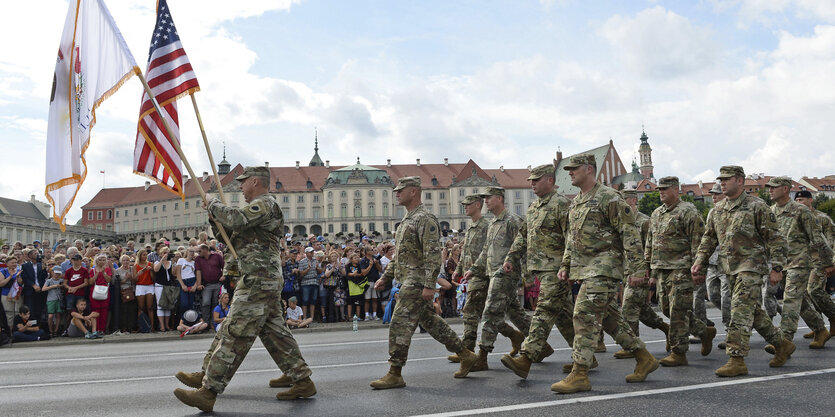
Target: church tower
x,y
645,154
316,161
223,166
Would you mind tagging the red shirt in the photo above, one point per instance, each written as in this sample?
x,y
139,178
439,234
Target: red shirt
x,y
210,269
76,277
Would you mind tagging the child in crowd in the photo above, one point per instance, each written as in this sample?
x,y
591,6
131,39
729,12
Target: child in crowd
x,y
83,324
356,287
53,287
25,330
295,315
191,323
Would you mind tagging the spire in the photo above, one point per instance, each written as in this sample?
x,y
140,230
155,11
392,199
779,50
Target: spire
x,y
316,161
223,166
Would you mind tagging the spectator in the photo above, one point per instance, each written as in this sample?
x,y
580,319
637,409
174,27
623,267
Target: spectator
x,y
34,275
291,284
52,287
208,267
75,281
191,322
330,279
308,274
184,271
145,291
67,264
221,311
82,322
532,292
371,269
11,304
26,330
127,293
101,275
295,315
163,277
356,286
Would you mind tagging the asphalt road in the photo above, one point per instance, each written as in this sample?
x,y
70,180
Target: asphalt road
x,y
137,379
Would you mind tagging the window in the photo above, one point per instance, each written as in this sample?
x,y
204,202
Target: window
x,y
110,214
163,208
234,197
475,190
463,226
343,210
370,193
164,222
357,210
145,224
357,227
517,195
461,192
399,211
300,213
646,186
98,215
155,209
385,194
117,214
343,194
89,215
136,212
461,209
344,227
136,225
186,220
285,199
385,227
330,195
29,234
357,194
442,195
429,208
330,228
330,211
117,227
371,211
144,210
372,227
186,206
154,223
286,211
301,199
531,195
385,209
518,208
316,213
427,196
316,198
176,206
176,221
443,210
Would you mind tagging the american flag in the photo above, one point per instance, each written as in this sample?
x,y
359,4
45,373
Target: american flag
x,y
170,77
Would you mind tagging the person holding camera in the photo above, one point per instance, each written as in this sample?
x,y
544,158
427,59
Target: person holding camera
x,y
163,276
371,268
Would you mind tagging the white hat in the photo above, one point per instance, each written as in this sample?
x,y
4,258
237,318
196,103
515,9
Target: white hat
x,y
308,249
190,315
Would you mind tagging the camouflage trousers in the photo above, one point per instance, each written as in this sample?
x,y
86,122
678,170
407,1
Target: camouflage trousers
x,y
255,312
772,308
676,299
747,313
597,307
411,309
817,294
719,292
636,308
554,305
797,303
472,311
502,302
699,305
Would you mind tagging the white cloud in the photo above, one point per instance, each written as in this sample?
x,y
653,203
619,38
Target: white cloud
x,y
775,12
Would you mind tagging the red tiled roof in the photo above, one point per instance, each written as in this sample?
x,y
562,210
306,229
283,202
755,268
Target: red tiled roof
x,y
821,184
295,179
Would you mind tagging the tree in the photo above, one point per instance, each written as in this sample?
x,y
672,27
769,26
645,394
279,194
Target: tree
x,y
701,205
828,207
649,202
765,195
819,199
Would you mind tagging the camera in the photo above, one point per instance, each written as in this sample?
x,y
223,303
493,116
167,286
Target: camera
x,y
378,257
39,258
170,256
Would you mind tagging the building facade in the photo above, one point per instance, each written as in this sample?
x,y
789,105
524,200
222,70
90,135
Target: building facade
x,y
27,221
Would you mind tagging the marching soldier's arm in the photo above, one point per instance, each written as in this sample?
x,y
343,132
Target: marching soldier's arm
x,y
622,218
708,243
766,224
648,244
247,217
388,274
480,265
821,252
431,248
519,247
695,230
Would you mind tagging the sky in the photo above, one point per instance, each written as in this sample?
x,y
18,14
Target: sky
x,y
505,83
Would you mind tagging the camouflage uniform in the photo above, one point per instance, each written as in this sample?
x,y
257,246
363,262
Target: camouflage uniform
x,y
746,232
635,305
256,308
817,280
501,294
542,239
416,262
477,287
602,232
675,233
718,289
799,226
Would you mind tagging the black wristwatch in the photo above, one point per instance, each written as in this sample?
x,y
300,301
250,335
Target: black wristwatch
x,y
777,268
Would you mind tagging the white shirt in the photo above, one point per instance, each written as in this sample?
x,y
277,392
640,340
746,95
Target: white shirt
x,y
295,313
186,268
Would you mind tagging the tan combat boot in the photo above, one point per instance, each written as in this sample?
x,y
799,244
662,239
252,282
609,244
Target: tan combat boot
x,y
734,367
569,366
392,379
707,340
809,335
194,379
281,382
481,362
664,327
468,359
623,354
516,339
645,363
576,381
520,366
547,351
453,358
601,346
821,336
203,399
674,359
302,388
783,353
769,348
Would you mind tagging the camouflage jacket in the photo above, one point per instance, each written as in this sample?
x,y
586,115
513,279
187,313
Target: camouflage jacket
x,y
746,232
642,220
674,236
827,227
473,245
542,234
601,232
255,231
417,251
500,235
805,245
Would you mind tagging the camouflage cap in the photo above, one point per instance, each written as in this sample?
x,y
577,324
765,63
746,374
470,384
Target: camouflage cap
x,y
470,199
629,193
779,182
667,182
493,191
580,160
407,182
541,171
259,171
730,171
716,189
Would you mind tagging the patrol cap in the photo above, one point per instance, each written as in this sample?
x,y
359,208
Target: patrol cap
x,y
716,189
493,191
541,171
803,193
667,182
292,299
470,199
629,193
259,171
407,182
779,182
580,160
730,171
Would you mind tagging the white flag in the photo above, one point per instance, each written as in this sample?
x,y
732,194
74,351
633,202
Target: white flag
x,y
93,62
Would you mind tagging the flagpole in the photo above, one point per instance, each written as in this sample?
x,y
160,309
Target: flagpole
x,y
176,144
208,150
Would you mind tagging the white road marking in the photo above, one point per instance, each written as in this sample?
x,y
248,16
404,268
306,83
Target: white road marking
x,y
527,406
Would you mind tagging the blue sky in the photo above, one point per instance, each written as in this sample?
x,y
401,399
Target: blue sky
x,y
502,82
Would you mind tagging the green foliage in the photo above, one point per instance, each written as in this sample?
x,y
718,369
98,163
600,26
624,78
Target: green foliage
x,y
701,205
765,195
649,202
819,199
828,207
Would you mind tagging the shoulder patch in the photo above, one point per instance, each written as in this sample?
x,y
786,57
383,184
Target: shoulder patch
x,y
255,208
626,210
773,217
432,228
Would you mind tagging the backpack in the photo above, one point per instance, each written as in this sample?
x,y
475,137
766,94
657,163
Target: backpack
x,y
144,323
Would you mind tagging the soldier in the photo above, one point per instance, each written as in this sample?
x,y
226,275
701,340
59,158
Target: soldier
x,y
477,285
716,282
676,228
542,239
501,294
806,248
255,310
817,278
635,297
602,232
415,265
746,232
